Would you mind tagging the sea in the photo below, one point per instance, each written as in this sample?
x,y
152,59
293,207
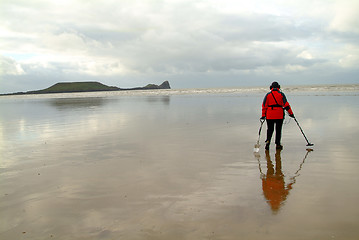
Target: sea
x,y
178,164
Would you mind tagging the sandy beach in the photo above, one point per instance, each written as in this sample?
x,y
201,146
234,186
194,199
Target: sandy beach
x,y
177,166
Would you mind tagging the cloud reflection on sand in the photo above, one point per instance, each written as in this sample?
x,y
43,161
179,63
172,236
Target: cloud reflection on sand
x,y
171,167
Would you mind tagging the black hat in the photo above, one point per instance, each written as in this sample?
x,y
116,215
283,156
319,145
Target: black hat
x,y
274,85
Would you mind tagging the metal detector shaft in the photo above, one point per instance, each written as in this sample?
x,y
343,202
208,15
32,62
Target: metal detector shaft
x,y
309,144
257,145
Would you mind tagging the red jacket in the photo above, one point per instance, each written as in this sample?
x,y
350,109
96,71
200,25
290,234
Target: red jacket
x,y
274,104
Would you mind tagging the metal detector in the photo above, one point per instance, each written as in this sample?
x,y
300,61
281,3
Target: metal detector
x,y
308,143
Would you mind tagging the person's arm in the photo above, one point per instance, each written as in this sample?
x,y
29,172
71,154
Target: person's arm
x,y
264,107
286,106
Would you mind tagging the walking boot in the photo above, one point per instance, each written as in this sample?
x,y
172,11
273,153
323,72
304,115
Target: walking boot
x,y
267,145
279,147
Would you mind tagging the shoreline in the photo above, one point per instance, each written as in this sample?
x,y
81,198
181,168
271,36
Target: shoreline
x,y
318,90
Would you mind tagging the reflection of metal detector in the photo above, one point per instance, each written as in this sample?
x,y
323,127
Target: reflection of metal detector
x,y
257,156
296,174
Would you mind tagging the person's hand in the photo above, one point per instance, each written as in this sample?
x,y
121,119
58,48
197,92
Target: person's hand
x,y
263,118
291,115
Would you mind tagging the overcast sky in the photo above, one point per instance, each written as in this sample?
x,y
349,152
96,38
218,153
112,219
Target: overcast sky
x,y
191,43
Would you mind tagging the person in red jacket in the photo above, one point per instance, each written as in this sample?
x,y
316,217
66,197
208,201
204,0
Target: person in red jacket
x,y
274,104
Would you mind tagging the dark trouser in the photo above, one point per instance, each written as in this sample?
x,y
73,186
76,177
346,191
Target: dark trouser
x,y
278,130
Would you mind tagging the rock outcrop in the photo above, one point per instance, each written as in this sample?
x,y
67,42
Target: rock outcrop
x,y
68,87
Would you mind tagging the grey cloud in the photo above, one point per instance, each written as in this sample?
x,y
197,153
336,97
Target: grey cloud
x,y
166,41
133,39
264,27
212,45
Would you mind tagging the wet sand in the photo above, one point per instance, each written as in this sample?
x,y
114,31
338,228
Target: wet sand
x,y
176,167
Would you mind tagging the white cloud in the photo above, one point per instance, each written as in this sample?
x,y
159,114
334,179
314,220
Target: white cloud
x,y
351,57
346,16
10,67
305,54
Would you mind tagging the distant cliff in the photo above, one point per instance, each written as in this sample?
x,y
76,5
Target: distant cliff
x,y
75,87
164,85
68,87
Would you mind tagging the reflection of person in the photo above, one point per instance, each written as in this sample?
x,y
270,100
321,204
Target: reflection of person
x,y
274,188
273,107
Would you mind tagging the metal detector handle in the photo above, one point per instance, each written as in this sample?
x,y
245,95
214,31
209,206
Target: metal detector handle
x,y
260,129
